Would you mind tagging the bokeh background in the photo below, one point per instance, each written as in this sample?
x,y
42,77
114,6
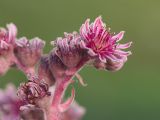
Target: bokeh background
x,y
132,93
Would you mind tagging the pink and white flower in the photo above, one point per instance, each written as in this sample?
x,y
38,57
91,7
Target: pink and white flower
x,y
101,43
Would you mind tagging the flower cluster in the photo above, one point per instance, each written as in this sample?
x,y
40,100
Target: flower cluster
x,y
7,44
41,97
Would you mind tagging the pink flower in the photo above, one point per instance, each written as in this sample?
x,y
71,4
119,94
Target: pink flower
x,y
101,43
7,37
9,103
7,42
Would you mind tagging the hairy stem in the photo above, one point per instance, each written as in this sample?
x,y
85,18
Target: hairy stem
x,y
61,86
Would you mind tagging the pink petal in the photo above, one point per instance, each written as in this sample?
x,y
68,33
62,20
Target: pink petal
x,y
87,25
118,37
12,32
120,52
22,42
37,43
112,58
82,44
103,59
81,30
124,46
91,52
3,45
66,34
84,30
97,23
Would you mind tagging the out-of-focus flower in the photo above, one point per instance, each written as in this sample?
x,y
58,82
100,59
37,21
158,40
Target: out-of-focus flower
x,y
7,43
75,112
101,43
7,37
32,112
9,103
34,90
70,49
28,52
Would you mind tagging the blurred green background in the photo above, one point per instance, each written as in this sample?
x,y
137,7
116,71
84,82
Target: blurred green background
x,y
132,93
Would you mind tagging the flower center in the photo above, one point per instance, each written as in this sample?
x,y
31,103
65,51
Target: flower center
x,y
100,43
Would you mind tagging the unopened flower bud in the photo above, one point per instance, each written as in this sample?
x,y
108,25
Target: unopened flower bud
x,y
70,49
33,91
28,52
